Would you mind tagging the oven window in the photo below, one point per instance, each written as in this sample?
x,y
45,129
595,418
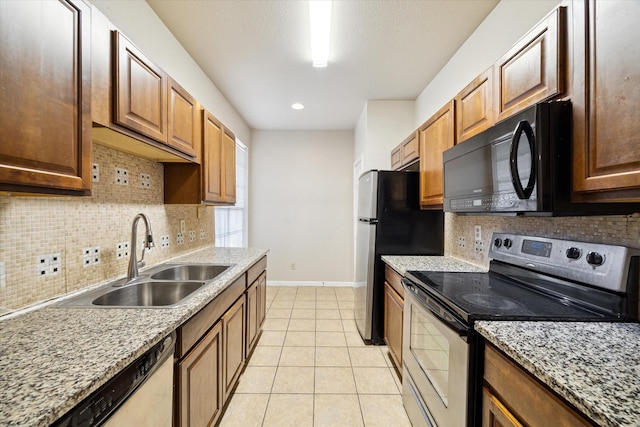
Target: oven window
x,y
431,350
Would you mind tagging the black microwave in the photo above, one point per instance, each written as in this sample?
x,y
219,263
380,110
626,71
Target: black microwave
x,y
520,166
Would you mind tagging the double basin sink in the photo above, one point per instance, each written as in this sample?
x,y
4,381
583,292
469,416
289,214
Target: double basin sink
x,y
164,286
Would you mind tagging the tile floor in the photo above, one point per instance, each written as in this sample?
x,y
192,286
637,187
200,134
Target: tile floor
x,y
311,368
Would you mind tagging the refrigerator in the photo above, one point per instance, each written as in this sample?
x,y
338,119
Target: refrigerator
x,y
390,222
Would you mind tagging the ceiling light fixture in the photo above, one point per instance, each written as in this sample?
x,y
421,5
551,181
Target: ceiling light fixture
x,y
320,20
297,106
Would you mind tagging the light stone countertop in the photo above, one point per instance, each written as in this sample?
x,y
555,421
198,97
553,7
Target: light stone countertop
x,y
595,366
53,358
402,264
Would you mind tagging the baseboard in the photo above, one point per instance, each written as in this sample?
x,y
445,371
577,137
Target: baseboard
x,y
311,283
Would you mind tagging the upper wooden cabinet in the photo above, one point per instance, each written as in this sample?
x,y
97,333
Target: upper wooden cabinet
x,y
436,135
533,70
605,64
140,91
213,180
183,132
45,104
406,153
474,107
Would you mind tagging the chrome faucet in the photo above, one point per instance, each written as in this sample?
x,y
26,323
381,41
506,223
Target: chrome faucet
x,y
134,264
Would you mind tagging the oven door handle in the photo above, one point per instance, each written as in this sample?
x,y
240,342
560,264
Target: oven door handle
x,y
437,309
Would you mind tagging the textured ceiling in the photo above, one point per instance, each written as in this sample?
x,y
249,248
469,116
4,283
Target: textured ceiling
x,y
258,53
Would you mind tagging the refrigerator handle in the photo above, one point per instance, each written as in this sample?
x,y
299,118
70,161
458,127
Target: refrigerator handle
x,y
368,220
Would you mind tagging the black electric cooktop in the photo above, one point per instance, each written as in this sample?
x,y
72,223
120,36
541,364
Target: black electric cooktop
x,y
491,296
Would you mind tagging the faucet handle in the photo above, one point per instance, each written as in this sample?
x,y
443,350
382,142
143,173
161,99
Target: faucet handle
x,y
149,242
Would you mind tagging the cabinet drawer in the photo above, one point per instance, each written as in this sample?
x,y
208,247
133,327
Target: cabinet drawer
x,y
256,270
194,328
524,396
394,279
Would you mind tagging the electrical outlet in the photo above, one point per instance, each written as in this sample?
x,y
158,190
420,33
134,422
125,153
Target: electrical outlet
x,y
90,256
183,226
95,173
164,242
145,180
478,246
192,236
122,176
122,250
3,276
478,233
48,265
461,242
180,239
292,266
203,234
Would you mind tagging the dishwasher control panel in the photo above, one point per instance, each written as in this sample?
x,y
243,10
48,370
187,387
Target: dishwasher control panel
x,y
96,409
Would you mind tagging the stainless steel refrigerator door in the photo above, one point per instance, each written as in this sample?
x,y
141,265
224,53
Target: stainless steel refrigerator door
x,y
367,194
365,261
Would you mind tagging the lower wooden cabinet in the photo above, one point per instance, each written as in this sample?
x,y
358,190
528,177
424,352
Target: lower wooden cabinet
x,y
199,382
393,315
233,347
512,397
256,307
262,299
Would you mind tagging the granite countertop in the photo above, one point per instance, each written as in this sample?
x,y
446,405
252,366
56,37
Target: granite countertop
x,y
595,366
52,358
402,264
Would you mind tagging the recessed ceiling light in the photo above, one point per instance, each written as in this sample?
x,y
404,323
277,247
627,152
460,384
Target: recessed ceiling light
x,y
297,106
320,20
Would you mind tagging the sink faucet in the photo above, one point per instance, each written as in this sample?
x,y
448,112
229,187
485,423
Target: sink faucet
x,y
134,264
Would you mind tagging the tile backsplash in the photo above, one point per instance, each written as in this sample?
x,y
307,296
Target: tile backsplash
x,y
34,228
459,231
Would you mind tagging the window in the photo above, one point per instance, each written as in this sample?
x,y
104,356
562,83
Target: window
x,y
231,221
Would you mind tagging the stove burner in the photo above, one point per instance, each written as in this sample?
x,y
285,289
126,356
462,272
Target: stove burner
x,y
490,301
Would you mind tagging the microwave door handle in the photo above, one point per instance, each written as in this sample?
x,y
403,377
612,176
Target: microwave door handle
x,y
523,193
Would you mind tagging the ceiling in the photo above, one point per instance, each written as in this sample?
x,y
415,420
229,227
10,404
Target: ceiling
x,y
258,54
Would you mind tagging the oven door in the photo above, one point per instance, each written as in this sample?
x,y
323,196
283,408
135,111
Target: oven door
x,y
435,362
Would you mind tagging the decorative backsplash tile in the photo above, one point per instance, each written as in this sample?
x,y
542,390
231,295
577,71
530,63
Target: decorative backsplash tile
x,y
34,226
617,229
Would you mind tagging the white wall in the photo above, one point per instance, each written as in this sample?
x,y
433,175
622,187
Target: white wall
x,y
143,27
506,23
301,203
382,125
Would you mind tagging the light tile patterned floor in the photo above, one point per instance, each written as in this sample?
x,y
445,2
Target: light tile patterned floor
x,y
311,368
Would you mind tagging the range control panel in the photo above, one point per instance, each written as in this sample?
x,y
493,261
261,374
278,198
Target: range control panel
x,y
600,265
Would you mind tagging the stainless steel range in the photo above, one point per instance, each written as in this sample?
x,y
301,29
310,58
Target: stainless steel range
x,y
529,278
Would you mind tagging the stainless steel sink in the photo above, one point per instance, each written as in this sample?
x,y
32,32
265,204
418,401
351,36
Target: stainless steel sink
x,y
190,272
148,294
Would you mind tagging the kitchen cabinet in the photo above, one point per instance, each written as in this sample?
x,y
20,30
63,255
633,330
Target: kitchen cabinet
x,y
533,70
605,92
233,346
252,317
183,120
199,382
256,302
512,397
436,135
406,153
474,107
45,103
393,315
213,180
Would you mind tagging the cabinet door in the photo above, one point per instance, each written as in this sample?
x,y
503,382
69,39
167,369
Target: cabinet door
x,y
211,158
606,100
183,119
474,111
396,157
410,149
252,316
200,382
228,167
393,314
140,91
262,299
45,104
533,69
233,324
494,414
436,135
